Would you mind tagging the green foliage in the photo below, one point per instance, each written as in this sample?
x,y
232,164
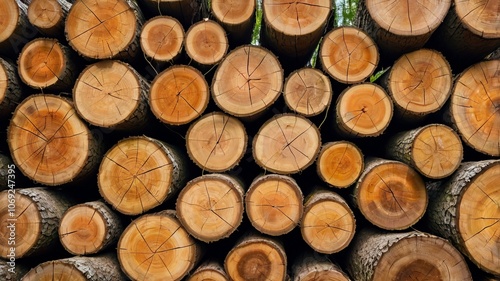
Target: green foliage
x,y
345,12
377,75
258,24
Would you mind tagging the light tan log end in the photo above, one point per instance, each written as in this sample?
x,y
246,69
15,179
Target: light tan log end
x,y
162,38
206,42
45,14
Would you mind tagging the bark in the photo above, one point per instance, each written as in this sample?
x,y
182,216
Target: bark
x,y
209,270
312,266
15,30
187,11
8,272
236,17
10,88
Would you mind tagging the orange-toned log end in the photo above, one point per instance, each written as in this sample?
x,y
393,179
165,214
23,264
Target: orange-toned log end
x,y
481,18
45,14
234,16
286,144
156,247
206,42
273,204
210,207
340,163
178,95
9,13
162,38
209,271
328,224
364,110
307,91
475,107
247,81
10,89
348,55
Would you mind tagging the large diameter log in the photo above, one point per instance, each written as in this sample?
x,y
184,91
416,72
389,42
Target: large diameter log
x,y
405,256
236,17
10,88
256,258
210,207
15,29
465,211
475,107
89,228
162,39
156,247
286,144
111,94
247,81
29,218
274,204
49,143
206,43
390,194
310,267
216,142
340,163
48,16
140,173
209,271
328,224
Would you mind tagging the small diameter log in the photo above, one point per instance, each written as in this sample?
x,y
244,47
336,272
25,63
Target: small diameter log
x,y
29,218
210,207
104,29
348,55
475,107
312,266
95,268
406,256
247,81
6,168
10,88
111,94
178,95
363,110
187,11
216,142
307,91
162,39
89,228
209,271
48,16
15,29
465,211
286,144
293,29
390,194
236,17
256,258
328,224
274,204
140,173
156,247
49,143
434,150
206,43
12,270
46,63
340,163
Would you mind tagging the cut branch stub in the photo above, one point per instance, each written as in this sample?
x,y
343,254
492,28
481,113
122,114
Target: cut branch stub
x,y
139,173
273,204
209,271
348,55
49,143
179,95
475,107
162,38
286,144
235,16
156,247
216,142
210,207
206,42
340,163
247,81
307,91
10,90
48,15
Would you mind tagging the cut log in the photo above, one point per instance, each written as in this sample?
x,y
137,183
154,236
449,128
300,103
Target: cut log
x,y
363,110
139,173
256,258
10,88
293,29
162,39
157,247
328,224
46,63
206,43
390,194
29,218
274,204
311,267
236,17
111,94
247,81
187,11
348,55
400,26
419,83
92,28
178,95
15,29
210,207
49,143
6,168
340,163
434,150
475,107
48,16
89,228
380,256
307,91
286,144
95,268
465,211
12,271
216,142
209,271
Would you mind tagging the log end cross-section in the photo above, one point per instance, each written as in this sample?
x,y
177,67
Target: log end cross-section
x,y
162,38
340,163
206,42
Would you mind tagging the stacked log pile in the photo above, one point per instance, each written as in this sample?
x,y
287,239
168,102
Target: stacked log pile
x,y
249,140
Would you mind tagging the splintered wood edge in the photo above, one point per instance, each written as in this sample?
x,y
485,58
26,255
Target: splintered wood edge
x,y
45,13
162,38
474,16
206,42
9,12
233,13
340,163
